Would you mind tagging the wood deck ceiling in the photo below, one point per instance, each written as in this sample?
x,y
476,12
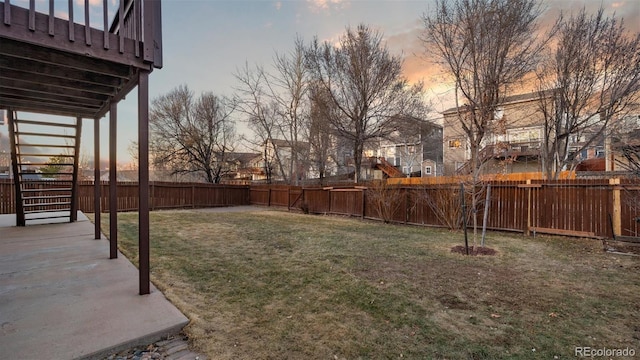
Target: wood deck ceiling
x,y
38,79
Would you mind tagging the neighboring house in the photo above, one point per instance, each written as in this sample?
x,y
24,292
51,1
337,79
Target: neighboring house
x,y
245,167
283,151
512,143
124,175
415,148
515,137
625,142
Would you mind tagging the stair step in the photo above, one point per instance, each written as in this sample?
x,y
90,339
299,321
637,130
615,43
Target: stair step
x,y
28,133
46,211
44,164
46,197
44,123
45,155
45,182
49,173
48,189
48,217
47,145
47,204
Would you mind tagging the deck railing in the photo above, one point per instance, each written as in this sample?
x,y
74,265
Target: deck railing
x,y
128,23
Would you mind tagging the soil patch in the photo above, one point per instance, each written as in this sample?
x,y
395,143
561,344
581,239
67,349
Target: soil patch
x,y
478,250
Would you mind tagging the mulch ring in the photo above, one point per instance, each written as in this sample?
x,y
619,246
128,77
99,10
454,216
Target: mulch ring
x,y
478,250
622,248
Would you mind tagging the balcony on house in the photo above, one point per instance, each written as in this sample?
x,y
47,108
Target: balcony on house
x,y
502,150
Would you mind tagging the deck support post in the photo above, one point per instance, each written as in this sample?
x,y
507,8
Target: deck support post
x,y
97,196
143,180
113,182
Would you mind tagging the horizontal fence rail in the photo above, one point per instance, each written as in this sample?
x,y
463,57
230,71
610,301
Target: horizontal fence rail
x,y
585,208
588,208
163,195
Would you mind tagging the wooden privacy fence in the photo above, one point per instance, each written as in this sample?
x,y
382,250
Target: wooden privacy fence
x,y
589,208
166,195
163,195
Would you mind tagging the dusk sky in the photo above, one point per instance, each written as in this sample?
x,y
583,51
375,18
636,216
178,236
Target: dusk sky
x,y
205,42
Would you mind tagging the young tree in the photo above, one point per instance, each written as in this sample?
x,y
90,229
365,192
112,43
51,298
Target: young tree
x,y
487,47
364,84
192,135
591,78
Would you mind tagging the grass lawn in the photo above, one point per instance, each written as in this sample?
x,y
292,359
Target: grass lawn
x,y
278,285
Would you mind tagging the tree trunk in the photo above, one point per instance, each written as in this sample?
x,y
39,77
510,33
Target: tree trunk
x,y
357,159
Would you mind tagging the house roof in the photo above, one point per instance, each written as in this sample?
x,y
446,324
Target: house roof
x,y
415,120
513,99
286,143
243,157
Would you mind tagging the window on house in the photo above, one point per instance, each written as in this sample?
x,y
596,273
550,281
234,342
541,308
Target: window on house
x,y
455,143
427,170
498,114
584,154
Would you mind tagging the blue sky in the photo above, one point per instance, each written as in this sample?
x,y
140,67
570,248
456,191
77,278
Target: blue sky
x,y
205,41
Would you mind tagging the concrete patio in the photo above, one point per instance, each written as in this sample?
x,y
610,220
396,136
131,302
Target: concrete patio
x,y
61,297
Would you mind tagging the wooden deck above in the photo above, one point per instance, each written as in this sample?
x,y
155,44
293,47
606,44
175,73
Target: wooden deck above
x,y
56,66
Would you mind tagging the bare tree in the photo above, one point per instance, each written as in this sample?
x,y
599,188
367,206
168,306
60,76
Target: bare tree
x,y
364,84
591,78
487,47
320,134
192,135
629,148
132,150
276,107
260,114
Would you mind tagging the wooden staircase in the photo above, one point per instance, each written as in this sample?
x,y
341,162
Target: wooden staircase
x,y
386,167
37,145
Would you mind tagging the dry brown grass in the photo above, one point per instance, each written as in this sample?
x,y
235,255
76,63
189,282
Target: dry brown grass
x,y
276,285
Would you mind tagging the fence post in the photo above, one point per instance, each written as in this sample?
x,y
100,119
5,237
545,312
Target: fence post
x,y
527,231
363,202
406,205
153,196
617,215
